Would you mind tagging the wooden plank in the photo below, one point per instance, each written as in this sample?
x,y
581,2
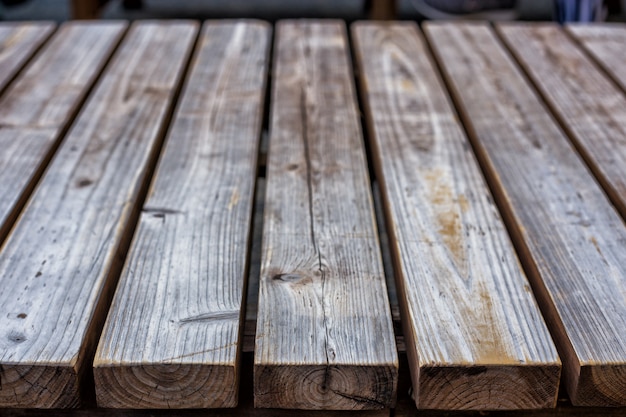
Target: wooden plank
x,y
39,106
589,106
605,43
18,43
187,264
470,321
571,240
59,265
324,335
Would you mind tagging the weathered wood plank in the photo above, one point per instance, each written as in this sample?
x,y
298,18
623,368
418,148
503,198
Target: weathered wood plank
x,y
569,237
470,321
589,106
324,335
39,106
18,42
172,338
606,42
59,265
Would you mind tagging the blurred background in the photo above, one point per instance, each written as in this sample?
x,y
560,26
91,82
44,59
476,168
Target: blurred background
x,y
561,10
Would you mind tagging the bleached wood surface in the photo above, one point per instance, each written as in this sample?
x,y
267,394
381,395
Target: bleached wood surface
x,y
606,42
18,42
471,324
172,338
38,107
324,335
570,238
59,264
591,109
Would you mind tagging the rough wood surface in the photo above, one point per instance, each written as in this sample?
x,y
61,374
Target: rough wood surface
x,y
606,42
569,237
60,262
39,106
172,338
591,109
324,335
470,321
18,42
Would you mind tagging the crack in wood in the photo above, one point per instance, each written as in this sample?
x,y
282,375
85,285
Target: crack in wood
x,y
360,399
307,157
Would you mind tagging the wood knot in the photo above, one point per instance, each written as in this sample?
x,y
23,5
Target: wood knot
x,y
287,277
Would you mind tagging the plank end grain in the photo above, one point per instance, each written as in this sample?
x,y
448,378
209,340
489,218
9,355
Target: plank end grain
x,y
39,386
508,387
599,384
325,387
165,386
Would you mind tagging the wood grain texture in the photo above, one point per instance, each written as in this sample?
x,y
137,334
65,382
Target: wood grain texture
x,y
605,42
172,338
571,240
589,106
60,262
18,42
470,321
39,106
324,335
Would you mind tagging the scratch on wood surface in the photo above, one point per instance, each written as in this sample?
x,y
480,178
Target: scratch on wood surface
x,y
187,355
212,315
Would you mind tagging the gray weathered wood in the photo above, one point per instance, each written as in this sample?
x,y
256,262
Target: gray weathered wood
x,y
591,109
59,264
18,42
324,335
39,106
471,324
606,42
172,338
569,237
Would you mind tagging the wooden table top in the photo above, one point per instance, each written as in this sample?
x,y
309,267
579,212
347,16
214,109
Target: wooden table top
x,y
234,218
